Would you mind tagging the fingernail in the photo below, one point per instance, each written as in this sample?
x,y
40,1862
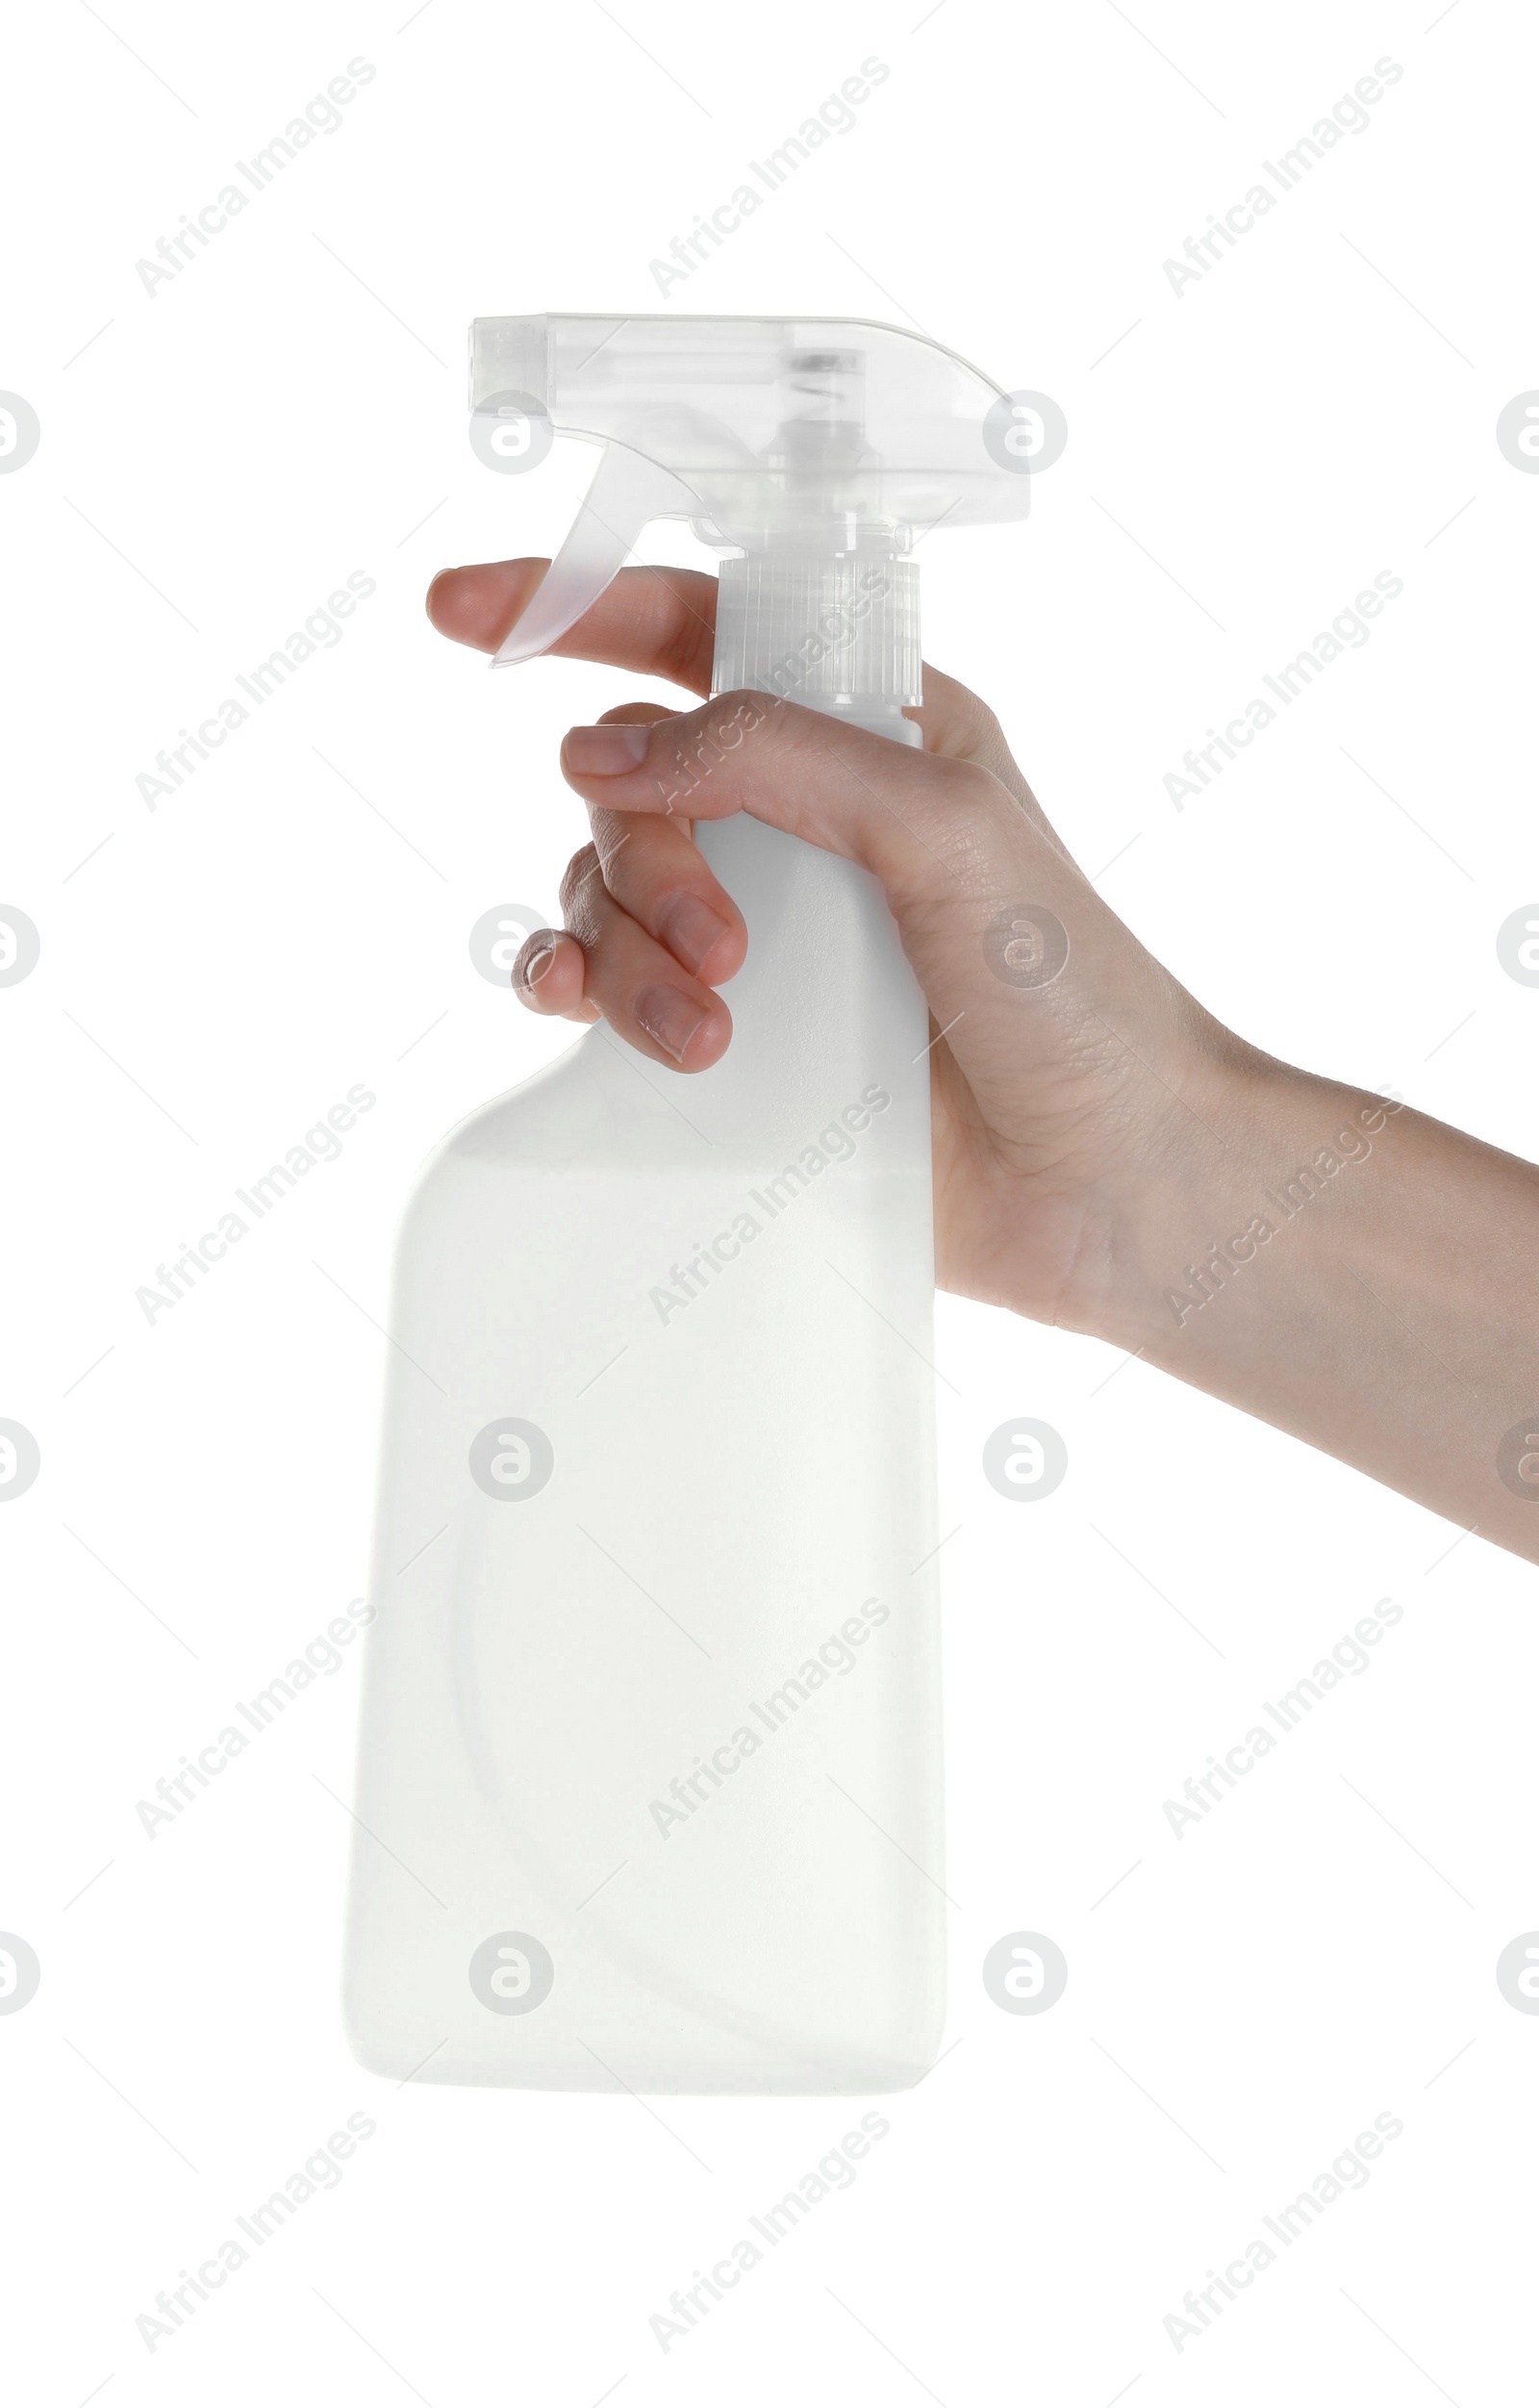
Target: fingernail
x,y
535,969
669,1017
604,751
688,929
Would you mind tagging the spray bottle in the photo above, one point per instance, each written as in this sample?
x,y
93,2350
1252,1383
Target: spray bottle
x,y
649,1786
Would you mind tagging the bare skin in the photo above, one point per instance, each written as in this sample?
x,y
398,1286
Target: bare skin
x,y
1106,1153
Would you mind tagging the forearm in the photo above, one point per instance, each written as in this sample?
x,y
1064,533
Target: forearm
x,y
1361,1276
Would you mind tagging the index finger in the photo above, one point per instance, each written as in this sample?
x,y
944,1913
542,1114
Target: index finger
x,y
658,622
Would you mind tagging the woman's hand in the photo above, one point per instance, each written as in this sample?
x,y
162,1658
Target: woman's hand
x,y
1107,1156
1055,1104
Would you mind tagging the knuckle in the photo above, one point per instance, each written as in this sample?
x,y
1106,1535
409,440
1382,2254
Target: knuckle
x,y
961,790
971,727
978,793
679,629
705,741
737,716
984,730
612,834
577,877
966,821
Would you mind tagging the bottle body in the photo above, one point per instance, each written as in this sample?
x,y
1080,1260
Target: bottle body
x,y
649,1779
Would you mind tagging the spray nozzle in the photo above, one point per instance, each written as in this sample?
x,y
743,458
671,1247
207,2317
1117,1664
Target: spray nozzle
x,y
814,452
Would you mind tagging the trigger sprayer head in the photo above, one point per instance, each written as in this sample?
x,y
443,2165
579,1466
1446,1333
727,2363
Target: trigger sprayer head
x,y
813,453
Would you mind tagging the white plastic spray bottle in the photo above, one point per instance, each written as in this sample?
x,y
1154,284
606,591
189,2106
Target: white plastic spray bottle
x,y
649,1774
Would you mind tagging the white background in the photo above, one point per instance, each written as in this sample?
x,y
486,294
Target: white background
x,y
217,971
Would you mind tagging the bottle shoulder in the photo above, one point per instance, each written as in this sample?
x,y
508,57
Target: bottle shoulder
x,y
587,1109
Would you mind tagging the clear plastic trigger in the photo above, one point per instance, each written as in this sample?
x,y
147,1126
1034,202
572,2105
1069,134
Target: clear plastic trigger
x,y
627,493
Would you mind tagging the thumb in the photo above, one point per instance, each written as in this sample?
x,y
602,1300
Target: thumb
x,y
989,907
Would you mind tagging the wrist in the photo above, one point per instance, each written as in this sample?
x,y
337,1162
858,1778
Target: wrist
x,y
1207,1189
1228,1248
